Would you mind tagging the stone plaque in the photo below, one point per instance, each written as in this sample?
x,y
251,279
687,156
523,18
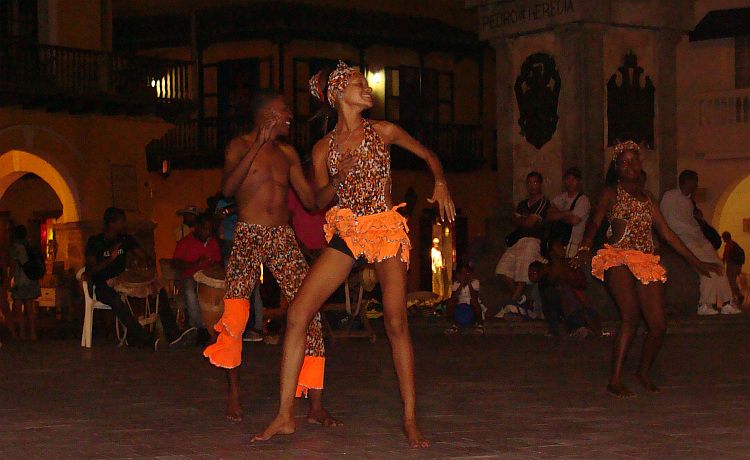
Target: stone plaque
x,y
523,16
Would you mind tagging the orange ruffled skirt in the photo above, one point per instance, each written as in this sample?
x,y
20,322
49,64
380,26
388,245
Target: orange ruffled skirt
x,y
376,236
643,266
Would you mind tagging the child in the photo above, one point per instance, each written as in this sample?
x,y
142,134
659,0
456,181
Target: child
x,y
465,291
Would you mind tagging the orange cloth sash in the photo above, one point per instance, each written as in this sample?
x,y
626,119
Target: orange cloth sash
x,y
643,266
227,351
375,236
311,375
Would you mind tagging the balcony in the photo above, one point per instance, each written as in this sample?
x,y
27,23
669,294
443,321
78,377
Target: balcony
x,y
80,81
195,145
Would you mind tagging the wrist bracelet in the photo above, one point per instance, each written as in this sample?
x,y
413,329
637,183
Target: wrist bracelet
x,y
440,182
583,248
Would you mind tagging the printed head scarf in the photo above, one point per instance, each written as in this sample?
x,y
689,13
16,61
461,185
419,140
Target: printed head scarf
x,y
622,147
337,82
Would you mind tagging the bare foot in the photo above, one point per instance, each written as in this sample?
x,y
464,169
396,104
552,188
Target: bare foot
x,y
414,435
646,383
279,425
620,391
234,408
321,416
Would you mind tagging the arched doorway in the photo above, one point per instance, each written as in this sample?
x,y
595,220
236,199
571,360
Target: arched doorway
x,y
733,210
15,164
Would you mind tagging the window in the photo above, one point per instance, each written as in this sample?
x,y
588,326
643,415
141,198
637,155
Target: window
x,y
415,98
742,62
18,19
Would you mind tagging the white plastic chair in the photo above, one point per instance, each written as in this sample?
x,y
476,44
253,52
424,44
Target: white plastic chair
x,y
92,304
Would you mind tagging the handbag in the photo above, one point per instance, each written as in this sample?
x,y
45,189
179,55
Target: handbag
x,y
708,231
562,231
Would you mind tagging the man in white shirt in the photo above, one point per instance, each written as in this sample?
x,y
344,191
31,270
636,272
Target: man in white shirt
x,y
678,208
571,207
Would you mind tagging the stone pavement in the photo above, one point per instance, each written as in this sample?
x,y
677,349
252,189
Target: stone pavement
x,y
498,396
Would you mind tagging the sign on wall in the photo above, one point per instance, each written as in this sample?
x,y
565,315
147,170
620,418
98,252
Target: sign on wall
x,y
630,104
537,91
525,16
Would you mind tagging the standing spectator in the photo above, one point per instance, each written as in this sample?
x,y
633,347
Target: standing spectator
x,y
530,213
734,258
572,209
197,251
678,208
24,290
189,215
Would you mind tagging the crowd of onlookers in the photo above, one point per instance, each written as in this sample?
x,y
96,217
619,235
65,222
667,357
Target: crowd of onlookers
x,y
547,233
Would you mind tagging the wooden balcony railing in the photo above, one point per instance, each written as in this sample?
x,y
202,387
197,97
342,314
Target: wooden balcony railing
x,y
195,145
33,73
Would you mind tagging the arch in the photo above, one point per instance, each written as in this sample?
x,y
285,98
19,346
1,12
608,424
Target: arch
x,y
16,163
732,208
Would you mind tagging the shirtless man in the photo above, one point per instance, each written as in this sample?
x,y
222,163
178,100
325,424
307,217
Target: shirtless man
x,y
257,172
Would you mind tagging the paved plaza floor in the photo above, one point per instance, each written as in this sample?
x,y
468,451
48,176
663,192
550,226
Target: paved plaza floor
x,y
497,396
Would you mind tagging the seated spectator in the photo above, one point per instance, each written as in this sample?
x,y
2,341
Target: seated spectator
x,y
561,289
199,250
524,242
106,255
465,294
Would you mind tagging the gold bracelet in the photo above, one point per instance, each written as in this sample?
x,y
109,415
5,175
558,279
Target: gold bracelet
x,y
440,182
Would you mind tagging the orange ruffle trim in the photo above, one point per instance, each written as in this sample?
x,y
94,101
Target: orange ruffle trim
x,y
312,375
375,236
227,351
643,266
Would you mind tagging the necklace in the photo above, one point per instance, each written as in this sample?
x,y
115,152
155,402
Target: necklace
x,y
339,144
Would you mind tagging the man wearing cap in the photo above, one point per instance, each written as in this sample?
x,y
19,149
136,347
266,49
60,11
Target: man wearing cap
x,y
189,214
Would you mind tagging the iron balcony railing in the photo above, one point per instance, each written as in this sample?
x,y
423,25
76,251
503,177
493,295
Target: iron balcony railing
x,y
45,71
196,145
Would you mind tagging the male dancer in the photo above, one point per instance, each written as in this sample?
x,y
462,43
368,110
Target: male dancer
x,y
257,172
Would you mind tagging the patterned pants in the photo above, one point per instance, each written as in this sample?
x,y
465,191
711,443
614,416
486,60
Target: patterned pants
x,y
276,248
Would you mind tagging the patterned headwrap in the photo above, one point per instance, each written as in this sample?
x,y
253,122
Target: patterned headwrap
x,y
622,147
337,82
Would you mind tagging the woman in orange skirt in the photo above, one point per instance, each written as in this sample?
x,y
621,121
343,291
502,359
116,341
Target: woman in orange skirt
x,y
352,163
627,264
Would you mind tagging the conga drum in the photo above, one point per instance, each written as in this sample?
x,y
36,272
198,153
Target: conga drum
x,y
210,284
139,288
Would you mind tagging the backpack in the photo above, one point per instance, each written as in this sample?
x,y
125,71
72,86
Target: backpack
x,y
34,268
738,255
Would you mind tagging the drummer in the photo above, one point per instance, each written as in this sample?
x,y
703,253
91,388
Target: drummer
x,y
199,250
106,254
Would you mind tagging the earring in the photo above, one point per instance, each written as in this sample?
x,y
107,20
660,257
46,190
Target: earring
x,y
341,96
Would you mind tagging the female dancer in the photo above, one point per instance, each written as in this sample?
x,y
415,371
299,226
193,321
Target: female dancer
x,y
352,162
627,264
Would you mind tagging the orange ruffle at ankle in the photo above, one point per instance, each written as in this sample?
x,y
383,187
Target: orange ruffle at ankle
x,y
643,266
227,351
375,236
312,375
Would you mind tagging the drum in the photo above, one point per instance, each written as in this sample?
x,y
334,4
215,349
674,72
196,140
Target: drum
x,y
210,284
139,288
